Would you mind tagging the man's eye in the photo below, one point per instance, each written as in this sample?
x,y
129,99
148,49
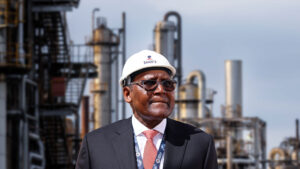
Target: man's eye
x,y
168,83
149,82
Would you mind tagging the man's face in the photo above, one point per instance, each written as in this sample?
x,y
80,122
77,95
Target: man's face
x,y
150,105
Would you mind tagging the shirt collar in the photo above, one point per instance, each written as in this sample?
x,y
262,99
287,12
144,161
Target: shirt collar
x,y
138,127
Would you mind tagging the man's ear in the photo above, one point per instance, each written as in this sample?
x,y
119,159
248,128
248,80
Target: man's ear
x,y
126,94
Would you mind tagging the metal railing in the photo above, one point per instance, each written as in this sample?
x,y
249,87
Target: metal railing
x,y
81,60
10,55
8,17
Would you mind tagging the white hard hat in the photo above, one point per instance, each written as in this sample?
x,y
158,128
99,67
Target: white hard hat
x,y
145,59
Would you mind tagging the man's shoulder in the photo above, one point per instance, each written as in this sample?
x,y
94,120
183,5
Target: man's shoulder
x,y
183,126
188,130
111,128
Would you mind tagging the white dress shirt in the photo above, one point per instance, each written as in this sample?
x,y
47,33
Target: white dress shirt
x,y
139,128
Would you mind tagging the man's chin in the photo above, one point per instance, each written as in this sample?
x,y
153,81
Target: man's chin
x,y
160,114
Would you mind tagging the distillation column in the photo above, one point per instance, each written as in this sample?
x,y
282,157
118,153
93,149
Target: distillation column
x,y
103,40
165,39
193,97
233,78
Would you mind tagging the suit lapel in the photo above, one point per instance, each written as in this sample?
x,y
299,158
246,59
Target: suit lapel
x,y
124,146
175,146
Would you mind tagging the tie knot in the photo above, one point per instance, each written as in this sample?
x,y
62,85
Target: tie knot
x,y
150,133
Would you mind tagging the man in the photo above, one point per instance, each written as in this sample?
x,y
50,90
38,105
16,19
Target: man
x,y
149,139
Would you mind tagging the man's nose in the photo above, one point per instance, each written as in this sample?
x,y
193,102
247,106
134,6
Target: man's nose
x,y
159,88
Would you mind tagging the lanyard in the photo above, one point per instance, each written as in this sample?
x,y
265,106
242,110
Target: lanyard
x,y
159,155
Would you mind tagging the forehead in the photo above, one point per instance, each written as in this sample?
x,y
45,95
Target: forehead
x,y
152,74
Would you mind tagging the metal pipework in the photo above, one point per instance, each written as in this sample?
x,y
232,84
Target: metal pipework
x,y
93,18
297,143
278,154
123,58
228,151
3,117
201,90
178,44
233,76
85,116
21,53
3,39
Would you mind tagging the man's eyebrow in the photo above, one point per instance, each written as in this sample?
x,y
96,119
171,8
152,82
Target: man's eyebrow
x,y
151,78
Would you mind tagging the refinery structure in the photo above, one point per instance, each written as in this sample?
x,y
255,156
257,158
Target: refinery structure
x,y
43,76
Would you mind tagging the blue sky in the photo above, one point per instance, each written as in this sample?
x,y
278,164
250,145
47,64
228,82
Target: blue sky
x,y
264,34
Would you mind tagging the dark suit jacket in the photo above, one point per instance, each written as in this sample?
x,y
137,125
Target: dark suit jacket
x,y
112,147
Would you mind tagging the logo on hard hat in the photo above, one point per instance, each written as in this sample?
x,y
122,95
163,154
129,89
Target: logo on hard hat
x,y
149,60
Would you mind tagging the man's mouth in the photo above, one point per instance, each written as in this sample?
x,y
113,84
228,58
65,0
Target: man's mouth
x,y
160,101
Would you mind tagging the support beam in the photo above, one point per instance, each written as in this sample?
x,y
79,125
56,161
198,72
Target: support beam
x,y
2,121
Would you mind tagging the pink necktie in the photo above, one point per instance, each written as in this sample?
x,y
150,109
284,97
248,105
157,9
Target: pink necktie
x,y
149,150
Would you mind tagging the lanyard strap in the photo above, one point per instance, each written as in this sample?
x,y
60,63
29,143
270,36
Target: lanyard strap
x,y
159,155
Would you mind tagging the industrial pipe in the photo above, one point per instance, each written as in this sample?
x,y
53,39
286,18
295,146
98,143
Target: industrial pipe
x,y
85,116
21,58
278,153
297,142
37,155
178,45
233,76
201,90
123,58
93,19
228,151
3,117
3,40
